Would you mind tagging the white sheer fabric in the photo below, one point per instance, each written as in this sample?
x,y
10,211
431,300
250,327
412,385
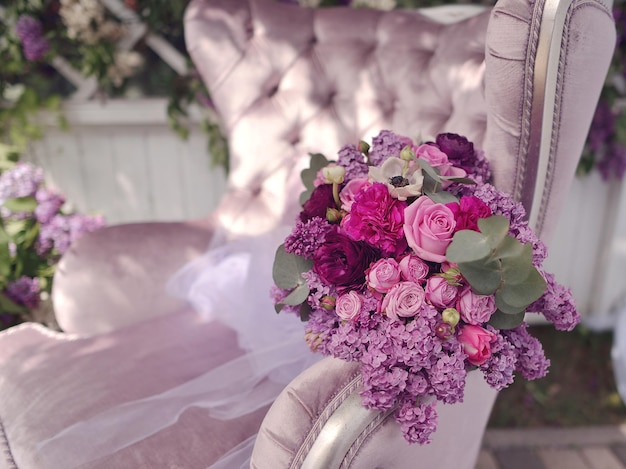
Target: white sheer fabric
x,y
229,283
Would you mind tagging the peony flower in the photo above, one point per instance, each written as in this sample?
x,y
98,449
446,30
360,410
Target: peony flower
x,y
429,228
459,150
475,308
342,261
350,190
476,343
383,274
468,211
320,200
377,218
402,180
404,300
349,305
413,269
440,293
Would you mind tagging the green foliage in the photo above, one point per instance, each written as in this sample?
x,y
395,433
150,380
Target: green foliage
x,y
318,161
287,274
493,262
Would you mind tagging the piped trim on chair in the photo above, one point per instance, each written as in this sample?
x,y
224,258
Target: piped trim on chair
x,y
5,448
40,329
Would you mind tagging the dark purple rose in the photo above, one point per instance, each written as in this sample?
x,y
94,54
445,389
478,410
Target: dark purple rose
x,y
320,200
342,261
460,150
378,218
468,211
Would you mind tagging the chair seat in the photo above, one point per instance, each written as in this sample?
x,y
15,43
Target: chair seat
x,y
49,381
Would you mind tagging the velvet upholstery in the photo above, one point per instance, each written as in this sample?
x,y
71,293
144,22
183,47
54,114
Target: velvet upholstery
x,y
288,80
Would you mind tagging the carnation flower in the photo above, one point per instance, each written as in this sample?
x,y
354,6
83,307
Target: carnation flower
x,y
468,211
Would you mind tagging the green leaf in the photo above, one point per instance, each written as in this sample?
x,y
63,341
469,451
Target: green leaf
x,y
5,260
21,204
495,229
524,293
505,307
288,269
468,246
318,161
428,169
298,296
517,269
442,197
9,306
510,247
305,311
484,277
500,320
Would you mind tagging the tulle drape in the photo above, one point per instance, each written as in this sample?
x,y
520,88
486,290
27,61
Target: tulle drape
x,y
229,283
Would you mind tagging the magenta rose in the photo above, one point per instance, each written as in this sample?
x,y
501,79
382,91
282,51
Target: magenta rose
x,y
476,343
429,228
349,305
404,300
383,275
321,199
413,269
377,218
475,308
342,261
440,293
468,211
348,192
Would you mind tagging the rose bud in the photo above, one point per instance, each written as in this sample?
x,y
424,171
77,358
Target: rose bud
x,y
328,302
444,331
450,316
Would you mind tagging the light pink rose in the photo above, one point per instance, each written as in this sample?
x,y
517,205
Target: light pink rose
x,y
350,189
383,275
413,269
440,293
429,228
404,300
475,308
476,343
349,305
439,160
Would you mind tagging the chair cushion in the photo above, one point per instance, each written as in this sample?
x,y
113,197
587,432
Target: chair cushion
x,y
48,381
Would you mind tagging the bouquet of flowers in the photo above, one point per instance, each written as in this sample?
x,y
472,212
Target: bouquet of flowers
x,y
35,230
407,260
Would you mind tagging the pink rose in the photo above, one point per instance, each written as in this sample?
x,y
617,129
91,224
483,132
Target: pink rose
x,y
349,305
439,160
429,228
383,275
404,300
468,211
475,308
440,293
413,269
348,192
476,343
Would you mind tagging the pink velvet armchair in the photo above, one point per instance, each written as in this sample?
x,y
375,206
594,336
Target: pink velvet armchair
x,y
521,80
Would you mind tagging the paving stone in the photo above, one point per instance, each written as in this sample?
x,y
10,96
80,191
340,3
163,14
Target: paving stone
x,y
486,460
601,457
518,458
558,458
620,451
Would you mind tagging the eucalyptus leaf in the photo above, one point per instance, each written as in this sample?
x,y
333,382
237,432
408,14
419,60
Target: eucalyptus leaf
x,y
484,277
442,197
500,320
298,296
318,161
305,311
428,169
506,307
457,179
511,247
278,307
495,228
21,204
525,292
517,269
468,246
288,268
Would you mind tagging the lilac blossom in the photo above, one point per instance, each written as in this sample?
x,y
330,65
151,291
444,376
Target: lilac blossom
x,y
385,145
30,32
354,161
307,236
531,360
557,305
24,291
417,422
63,230
499,370
23,180
48,204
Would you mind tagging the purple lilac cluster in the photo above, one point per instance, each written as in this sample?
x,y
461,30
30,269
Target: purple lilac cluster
x,y
24,291
62,230
30,32
382,297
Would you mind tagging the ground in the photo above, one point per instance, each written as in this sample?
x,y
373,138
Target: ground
x,y
579,389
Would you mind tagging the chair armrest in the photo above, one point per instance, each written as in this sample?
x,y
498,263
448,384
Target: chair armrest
x,y
117,276
322,400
